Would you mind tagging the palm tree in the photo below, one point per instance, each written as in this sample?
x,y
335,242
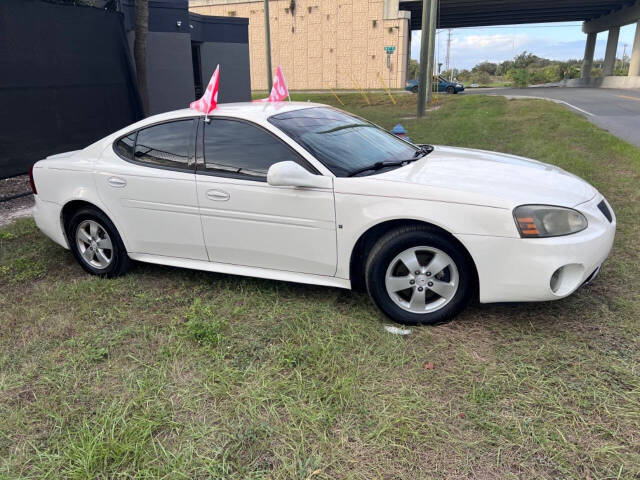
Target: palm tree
x,y
140,50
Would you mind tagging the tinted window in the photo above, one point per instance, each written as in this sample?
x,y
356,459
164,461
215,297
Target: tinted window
x,y
342,142
124,146
238,148
166,144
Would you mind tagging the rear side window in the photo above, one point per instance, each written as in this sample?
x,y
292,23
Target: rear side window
x,y
166,144
124,147
239,149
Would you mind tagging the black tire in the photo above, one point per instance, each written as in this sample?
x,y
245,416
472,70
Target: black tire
x,y
397,241
451,90
120,262
414,89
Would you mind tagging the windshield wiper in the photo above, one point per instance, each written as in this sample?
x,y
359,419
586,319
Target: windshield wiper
x,y
381,165
421,152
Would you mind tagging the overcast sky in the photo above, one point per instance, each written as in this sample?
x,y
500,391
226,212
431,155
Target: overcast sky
x,y
558,41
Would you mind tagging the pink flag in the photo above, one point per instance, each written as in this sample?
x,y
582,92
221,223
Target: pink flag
x,y
209,100
279,91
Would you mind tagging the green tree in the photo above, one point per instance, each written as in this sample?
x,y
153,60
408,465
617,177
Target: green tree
x,y
519,77
488,67
480,77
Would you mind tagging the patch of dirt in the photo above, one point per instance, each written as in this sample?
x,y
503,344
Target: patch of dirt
x,y
18,207
14,186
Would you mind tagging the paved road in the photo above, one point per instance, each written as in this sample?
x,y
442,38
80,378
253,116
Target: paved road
x,y
615,110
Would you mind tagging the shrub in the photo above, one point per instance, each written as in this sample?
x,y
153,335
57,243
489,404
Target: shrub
x,y
519,77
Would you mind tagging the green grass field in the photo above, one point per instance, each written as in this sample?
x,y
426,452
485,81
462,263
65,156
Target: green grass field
x,y
169,373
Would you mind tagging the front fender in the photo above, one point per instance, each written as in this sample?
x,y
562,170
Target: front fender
x,y
356,214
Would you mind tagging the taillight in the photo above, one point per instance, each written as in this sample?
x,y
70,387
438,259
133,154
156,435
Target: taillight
x,y
31,182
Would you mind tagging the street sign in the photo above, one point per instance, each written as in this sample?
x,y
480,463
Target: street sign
x,y
390,49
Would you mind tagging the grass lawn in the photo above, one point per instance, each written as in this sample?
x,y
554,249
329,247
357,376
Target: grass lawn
x,y
169,373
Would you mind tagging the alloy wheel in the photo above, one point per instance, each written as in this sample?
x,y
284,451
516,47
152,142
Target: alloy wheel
x,y
422,279
94,244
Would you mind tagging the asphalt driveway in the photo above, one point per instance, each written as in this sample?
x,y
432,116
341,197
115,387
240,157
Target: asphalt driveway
x,y
617,111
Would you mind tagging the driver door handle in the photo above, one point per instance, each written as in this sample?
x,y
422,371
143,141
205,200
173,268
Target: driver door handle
x,y
217,195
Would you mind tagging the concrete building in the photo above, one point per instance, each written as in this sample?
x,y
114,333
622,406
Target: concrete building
x,y
322,44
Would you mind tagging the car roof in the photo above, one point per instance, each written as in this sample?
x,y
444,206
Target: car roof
x,y
255,111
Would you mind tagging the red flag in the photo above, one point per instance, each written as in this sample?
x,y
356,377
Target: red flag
x,y
279,91
209,100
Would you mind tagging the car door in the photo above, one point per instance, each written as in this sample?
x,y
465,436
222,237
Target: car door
x,y
147,181
248,222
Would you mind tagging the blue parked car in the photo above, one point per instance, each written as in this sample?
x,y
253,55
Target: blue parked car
x,y
443,86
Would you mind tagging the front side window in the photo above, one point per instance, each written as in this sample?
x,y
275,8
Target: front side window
x,y
165,144
345,144
239,149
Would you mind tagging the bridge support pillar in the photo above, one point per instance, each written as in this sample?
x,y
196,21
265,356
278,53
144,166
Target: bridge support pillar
x,y
587,62
610,53
634,66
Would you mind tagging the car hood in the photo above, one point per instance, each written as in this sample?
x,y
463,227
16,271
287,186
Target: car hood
x,y
491,178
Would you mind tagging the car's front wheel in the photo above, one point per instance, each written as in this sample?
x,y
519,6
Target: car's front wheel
x,y
418,275
96,244
451,90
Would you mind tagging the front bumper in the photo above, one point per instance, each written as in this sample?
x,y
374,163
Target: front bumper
x,y
520,269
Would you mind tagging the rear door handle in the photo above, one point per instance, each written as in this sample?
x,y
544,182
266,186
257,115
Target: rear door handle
x,y
217,195
117,182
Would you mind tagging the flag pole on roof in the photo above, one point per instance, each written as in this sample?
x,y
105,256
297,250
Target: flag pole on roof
x,y
209,101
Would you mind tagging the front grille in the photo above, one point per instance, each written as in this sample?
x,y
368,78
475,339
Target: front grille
x,y
602,206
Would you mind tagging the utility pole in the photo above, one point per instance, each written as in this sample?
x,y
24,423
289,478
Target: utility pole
x,y
432,47
624,54
267,41
427,45
447,60
424,58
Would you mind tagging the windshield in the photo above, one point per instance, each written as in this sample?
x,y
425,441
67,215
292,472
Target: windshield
x,y
343,143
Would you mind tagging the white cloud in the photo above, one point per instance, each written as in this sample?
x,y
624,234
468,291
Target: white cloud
x,y
490,43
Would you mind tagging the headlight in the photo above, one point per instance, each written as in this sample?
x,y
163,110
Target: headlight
x,y
539,221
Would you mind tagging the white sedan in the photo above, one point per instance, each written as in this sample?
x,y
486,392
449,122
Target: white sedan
x,y
307,193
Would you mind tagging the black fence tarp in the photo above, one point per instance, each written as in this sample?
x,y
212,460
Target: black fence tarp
x,y
66,80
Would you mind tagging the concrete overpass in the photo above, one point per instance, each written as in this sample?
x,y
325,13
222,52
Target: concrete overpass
x,y
597,16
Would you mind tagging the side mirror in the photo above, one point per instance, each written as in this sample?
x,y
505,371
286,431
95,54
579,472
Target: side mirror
x,y
290,174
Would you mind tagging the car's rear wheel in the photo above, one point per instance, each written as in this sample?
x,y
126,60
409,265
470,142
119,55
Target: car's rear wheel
x,y
418,275
414,89
96,244
451,90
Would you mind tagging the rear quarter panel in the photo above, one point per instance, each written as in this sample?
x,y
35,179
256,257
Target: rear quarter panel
x,y
63,180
